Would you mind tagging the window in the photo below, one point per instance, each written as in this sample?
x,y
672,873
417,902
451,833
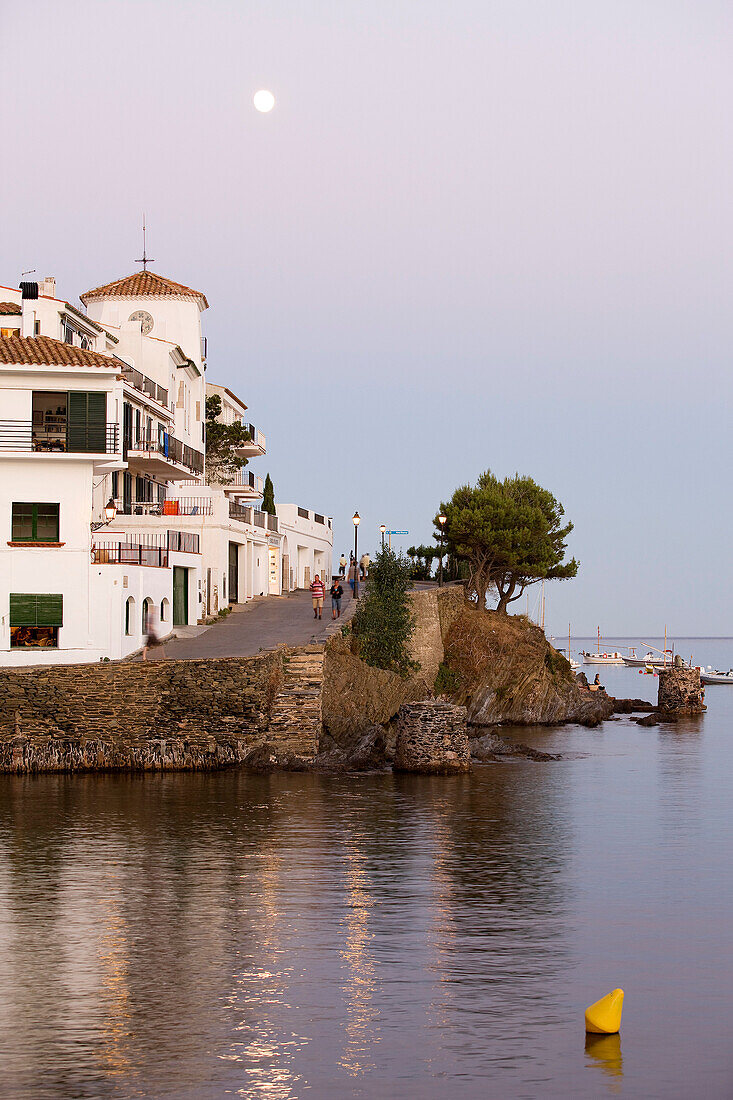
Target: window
x,y
35,523
129,614
164,609
147,614
35,619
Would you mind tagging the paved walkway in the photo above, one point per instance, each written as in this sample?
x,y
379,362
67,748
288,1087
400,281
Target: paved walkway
x,y
264,623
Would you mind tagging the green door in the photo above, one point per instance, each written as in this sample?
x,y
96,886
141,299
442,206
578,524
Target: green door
x,y
180,596
86,422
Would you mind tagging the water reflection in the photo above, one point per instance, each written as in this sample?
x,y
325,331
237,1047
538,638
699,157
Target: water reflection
x,y
604,1054
274,936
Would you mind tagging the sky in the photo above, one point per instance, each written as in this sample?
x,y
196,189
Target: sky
x,y
485,234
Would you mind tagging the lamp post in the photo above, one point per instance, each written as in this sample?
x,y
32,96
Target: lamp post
x,y
441,520
110,511
356,521
383,528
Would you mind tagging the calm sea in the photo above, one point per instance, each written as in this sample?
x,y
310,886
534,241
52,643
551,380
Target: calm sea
x,y
200,936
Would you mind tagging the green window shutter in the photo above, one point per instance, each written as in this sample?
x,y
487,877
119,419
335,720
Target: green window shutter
x,y
22,609
22,523
86,415
36,609
49,609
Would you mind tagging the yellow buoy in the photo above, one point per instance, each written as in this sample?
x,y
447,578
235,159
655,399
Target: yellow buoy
x,y
604,1017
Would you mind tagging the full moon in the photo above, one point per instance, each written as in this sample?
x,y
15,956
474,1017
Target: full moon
x,y
264,101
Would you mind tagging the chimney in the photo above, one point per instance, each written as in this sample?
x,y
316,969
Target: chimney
x,y
29,294
48,287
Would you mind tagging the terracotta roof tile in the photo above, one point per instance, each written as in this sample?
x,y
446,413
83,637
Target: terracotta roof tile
x,y
45,351
7,308
143,284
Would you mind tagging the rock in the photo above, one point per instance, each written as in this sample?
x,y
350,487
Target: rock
x,y
364,753
628,706
432,739
680,691
487,747
648,720
508,673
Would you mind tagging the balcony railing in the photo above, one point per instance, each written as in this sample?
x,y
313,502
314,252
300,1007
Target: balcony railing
x,y
240,511
153,551
256,436
185,506
253,516
145,385
170,447
245,480
60,436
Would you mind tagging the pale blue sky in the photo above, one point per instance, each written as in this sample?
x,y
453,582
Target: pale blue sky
x,y
470,235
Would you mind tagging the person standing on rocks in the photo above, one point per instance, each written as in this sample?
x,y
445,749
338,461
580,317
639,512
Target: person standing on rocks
x,y
318,593
336,593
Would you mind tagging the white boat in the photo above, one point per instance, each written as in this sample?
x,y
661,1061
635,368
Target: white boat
x,y
712,676
602,658
650,661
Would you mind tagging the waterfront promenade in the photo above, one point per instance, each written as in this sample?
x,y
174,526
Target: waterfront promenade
x,y
262,624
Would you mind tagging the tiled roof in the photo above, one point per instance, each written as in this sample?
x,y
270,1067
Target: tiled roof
x,y
143,284
9,307
45,351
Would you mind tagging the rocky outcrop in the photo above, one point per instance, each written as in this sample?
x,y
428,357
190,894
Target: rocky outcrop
x,y
507,672
432,739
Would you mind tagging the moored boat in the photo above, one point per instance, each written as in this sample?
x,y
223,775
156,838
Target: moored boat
x,y
713,676
650,661
602,658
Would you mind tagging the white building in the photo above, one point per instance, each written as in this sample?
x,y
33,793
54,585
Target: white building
x,y
111,405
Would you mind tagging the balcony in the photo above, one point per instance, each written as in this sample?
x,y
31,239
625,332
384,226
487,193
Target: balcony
x,y
253,516
59,436
256,445
162,454
153,550
245,485
145,385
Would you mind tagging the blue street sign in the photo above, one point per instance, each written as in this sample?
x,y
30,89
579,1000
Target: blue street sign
x,y
398,532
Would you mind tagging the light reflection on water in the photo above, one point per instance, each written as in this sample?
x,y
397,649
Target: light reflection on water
x,y
282,936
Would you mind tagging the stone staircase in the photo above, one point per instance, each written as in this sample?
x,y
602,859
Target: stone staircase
x,y
296,710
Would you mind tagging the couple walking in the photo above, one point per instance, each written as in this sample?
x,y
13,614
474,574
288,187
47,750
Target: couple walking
x,y
318,593
362,566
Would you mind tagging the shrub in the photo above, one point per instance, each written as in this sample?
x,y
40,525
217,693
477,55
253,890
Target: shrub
x,y
383,623
447,681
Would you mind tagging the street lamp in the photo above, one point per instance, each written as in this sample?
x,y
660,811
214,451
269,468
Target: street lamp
x,y
110,511
356,518
383,528
441,521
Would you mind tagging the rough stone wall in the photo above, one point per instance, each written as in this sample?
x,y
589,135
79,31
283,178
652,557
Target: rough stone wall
x,y
432,738
426,643
156,715
680,691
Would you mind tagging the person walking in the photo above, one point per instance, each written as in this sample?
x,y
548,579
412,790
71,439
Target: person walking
x,y
365,559
352,573
342,565
318,593
152,640
336,593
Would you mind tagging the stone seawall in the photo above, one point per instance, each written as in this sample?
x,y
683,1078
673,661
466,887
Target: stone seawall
x,y
160,715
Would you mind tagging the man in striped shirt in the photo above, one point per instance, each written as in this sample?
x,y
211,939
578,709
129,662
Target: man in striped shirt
x,y
317,592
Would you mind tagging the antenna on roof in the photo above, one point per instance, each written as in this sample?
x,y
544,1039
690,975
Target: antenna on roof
x,y
144,261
